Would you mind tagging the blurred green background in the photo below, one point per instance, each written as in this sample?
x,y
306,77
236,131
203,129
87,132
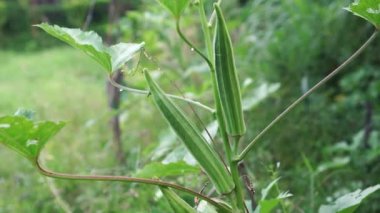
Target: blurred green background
x,y
328,146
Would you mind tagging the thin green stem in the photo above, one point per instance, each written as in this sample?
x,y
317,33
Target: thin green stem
x,y
219,115
312,179
210,51
146,92
305,95
237,198
236,178
283,207
183,37
65,176
206,30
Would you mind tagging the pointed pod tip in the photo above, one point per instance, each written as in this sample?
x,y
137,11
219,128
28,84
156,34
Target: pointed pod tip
x,y
146,74
216,6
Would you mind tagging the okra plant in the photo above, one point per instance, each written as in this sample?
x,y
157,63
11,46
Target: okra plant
x,y
28,137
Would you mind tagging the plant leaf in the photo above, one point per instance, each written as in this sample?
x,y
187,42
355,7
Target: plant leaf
x,y
349,202
193,139
266,190
227,79
266,206
367,9
176,202
157,170
25,136
176,7
122,53
333,164
110,58
89,42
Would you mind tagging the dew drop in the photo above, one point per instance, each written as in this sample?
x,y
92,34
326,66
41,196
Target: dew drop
x,y
192,49
120,90
31,142
373,11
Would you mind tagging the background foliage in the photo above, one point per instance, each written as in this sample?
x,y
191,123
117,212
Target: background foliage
x,y
325,148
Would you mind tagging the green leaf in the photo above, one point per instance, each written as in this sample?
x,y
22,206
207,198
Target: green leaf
x,y
266,190
25,136
176,202
266,206
89,42
349,202
110,58
122,53
193,139
157,170
333,164
367,9
227,78
176,7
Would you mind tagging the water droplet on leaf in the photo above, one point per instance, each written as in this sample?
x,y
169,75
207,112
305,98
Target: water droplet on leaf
x,y
31,142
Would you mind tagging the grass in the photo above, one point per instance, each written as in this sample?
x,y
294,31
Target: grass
x,y
59,84
63,84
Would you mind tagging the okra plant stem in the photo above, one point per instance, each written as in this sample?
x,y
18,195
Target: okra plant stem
x,y
236,178
183,37
219,115
65,176
206,30
237,197
300,99
145,92
210,51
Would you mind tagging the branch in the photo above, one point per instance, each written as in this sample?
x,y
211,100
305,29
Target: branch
x,y
183,37
300,99
248,184
65,176
146,92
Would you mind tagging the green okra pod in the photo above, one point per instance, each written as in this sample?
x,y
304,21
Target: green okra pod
x,y
176,202
197,145
227,79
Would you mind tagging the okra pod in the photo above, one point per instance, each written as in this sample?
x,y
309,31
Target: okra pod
x,y
197,145
227,78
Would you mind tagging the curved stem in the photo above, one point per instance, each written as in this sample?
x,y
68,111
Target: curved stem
x,y
58,175
183,37
300,99
206,30
146,92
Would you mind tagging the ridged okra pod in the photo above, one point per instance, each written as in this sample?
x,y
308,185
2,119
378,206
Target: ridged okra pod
x,y
197,145
177,203
227,79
